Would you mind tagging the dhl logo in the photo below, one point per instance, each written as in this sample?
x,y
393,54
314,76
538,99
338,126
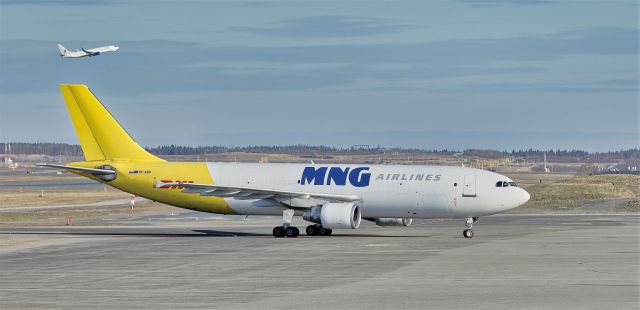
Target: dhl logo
x,y
173,187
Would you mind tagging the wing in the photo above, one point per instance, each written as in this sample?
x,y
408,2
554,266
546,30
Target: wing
x,y
101,49
93,51
292,198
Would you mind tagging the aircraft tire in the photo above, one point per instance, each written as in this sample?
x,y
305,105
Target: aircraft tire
x,y
468,233
278,232
312,230
325,231
292,232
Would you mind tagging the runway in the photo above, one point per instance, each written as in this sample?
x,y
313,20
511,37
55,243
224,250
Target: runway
x,y
513,262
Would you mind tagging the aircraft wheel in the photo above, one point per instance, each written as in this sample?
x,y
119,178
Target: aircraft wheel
x,y
278,232
312,230
325,231
468,233
292,232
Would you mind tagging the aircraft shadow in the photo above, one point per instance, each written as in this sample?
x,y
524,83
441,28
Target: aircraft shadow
x,y
378,236
196,233
192,233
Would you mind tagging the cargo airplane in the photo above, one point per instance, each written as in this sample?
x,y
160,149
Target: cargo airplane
x,y
328,196
65,53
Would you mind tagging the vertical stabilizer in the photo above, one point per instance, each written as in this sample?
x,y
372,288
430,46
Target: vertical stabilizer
x,y
63,51
101,136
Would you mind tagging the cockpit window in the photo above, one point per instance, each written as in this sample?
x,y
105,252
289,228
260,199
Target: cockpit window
x,y
506,184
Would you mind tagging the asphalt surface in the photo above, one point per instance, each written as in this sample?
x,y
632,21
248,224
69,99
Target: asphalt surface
x,y
192,262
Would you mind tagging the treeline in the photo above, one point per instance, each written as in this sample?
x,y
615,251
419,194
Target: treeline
x,y
43,148
559,156
63,149
562,156
299,149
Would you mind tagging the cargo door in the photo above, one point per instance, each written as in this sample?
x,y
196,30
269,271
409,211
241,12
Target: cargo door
x,y
469,189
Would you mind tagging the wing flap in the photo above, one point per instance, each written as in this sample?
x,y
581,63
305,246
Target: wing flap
x,y
247,193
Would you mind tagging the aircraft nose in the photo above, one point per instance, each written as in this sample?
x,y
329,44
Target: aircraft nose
x,y
524,196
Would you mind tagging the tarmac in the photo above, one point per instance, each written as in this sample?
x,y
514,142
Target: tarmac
x,y
192,261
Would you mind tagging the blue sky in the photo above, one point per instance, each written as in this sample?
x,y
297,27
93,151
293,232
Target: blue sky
x,y
433,74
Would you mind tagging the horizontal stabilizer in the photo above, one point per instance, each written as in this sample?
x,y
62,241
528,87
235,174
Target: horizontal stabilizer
x,y
79,169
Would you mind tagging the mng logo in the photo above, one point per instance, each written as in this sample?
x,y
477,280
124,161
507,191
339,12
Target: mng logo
x,y
358,177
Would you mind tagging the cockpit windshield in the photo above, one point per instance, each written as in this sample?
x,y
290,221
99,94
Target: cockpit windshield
x,y
506,184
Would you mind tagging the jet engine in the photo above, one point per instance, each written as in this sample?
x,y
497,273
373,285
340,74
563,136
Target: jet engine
x,y
335,215
389,221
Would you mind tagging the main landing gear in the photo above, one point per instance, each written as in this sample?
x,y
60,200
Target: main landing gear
x,y
292,231
286,230
468,233
317,229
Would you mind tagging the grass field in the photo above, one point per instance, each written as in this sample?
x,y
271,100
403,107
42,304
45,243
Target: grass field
x,y
57,196
58,216
599,193
53,200
527,179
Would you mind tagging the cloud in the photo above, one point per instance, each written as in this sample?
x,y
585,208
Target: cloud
x,y
496,3
152,66
258,4
595,41
511,87
54,2
325,27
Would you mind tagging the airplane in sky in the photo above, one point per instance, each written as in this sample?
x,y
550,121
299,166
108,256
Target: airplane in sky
x,y
330,196
65,53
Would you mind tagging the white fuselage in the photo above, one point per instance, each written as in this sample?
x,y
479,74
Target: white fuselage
x,y
89,52
397,191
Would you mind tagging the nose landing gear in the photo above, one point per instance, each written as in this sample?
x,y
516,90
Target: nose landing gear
x,y
468,233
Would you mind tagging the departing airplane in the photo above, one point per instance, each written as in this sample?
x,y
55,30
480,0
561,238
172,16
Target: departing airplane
x,y
65,53
329,196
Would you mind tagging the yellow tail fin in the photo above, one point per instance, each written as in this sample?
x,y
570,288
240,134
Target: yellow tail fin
x,y
100,135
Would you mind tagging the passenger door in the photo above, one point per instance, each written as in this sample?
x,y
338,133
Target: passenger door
x,y
469,189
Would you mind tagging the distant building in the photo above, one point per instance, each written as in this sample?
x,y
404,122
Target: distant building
x,y
8,162
546,169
